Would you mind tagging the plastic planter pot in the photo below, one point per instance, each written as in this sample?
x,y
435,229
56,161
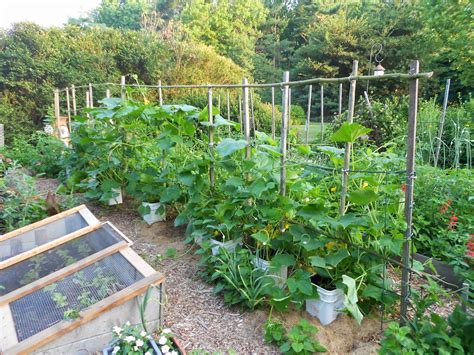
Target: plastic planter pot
x,y
156,349
280,276
118,199
154,215
230,245
329,305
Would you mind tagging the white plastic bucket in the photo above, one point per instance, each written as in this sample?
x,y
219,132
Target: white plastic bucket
x,y
118,199
329,305
230,245
154,215
280,276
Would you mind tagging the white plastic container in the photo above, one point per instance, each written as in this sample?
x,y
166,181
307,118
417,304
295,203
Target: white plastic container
x,y
329,305
154,215
118,199
230,245
280,276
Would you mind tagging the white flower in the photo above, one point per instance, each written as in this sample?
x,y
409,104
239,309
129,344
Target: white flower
x,y
135,348
140,343
116,350
143,333
174,352
165,349
128,323
49,129
117,330
148,353
130,339
162,341
166,331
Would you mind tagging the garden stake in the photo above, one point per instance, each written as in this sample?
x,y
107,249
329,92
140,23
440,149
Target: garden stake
x,y
73,94
211,136
410,179
68,104
240,115
56,109
273,112
246,118
441,122
347,152
308,114
122,87
228,110
340,99
107,93
91,99
284,124
2,136
322,113
160,93
252,116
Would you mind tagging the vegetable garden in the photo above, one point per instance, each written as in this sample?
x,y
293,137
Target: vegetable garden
x,y
280,222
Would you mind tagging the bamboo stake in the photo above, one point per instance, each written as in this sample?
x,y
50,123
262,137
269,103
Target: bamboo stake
x,y
246,118
107,93
273,112
87,99
73,93
91,97
322,113
410,180
308,114
2,135
284,132
441,122
122,87
211,136
68,105
160,93
347,151
340,99
289,109
219,103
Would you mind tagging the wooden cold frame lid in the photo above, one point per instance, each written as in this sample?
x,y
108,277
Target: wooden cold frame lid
x,y
8,337
59,241
82,210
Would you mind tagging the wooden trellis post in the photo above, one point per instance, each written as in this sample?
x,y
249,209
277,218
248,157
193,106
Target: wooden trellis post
x,y
441,122
122,87
273,112
107,93
57,111
68,106
211,136
252,113
246,118
308,114
91,97
240,115
228,110
340,99
289,109
410,180
284,131
347,151
73,94
2,135
160,93
322,113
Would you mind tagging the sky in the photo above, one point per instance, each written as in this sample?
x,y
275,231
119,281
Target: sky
x,y
43,12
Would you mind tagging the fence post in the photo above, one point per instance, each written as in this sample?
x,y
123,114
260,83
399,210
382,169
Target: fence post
x,y
122,87
322,113
284,131
340,99
73,93
308,114
246,118
441,121
2,135
91,97
410,180
347,151
273,112
211,136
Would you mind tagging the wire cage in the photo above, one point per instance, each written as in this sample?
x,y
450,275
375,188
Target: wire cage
x,y
66,281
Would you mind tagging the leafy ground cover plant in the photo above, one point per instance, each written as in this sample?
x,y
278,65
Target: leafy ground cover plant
x,y
297,340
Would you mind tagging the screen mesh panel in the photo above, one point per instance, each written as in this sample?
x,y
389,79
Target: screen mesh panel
x,y
41,309
52,260
41,235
